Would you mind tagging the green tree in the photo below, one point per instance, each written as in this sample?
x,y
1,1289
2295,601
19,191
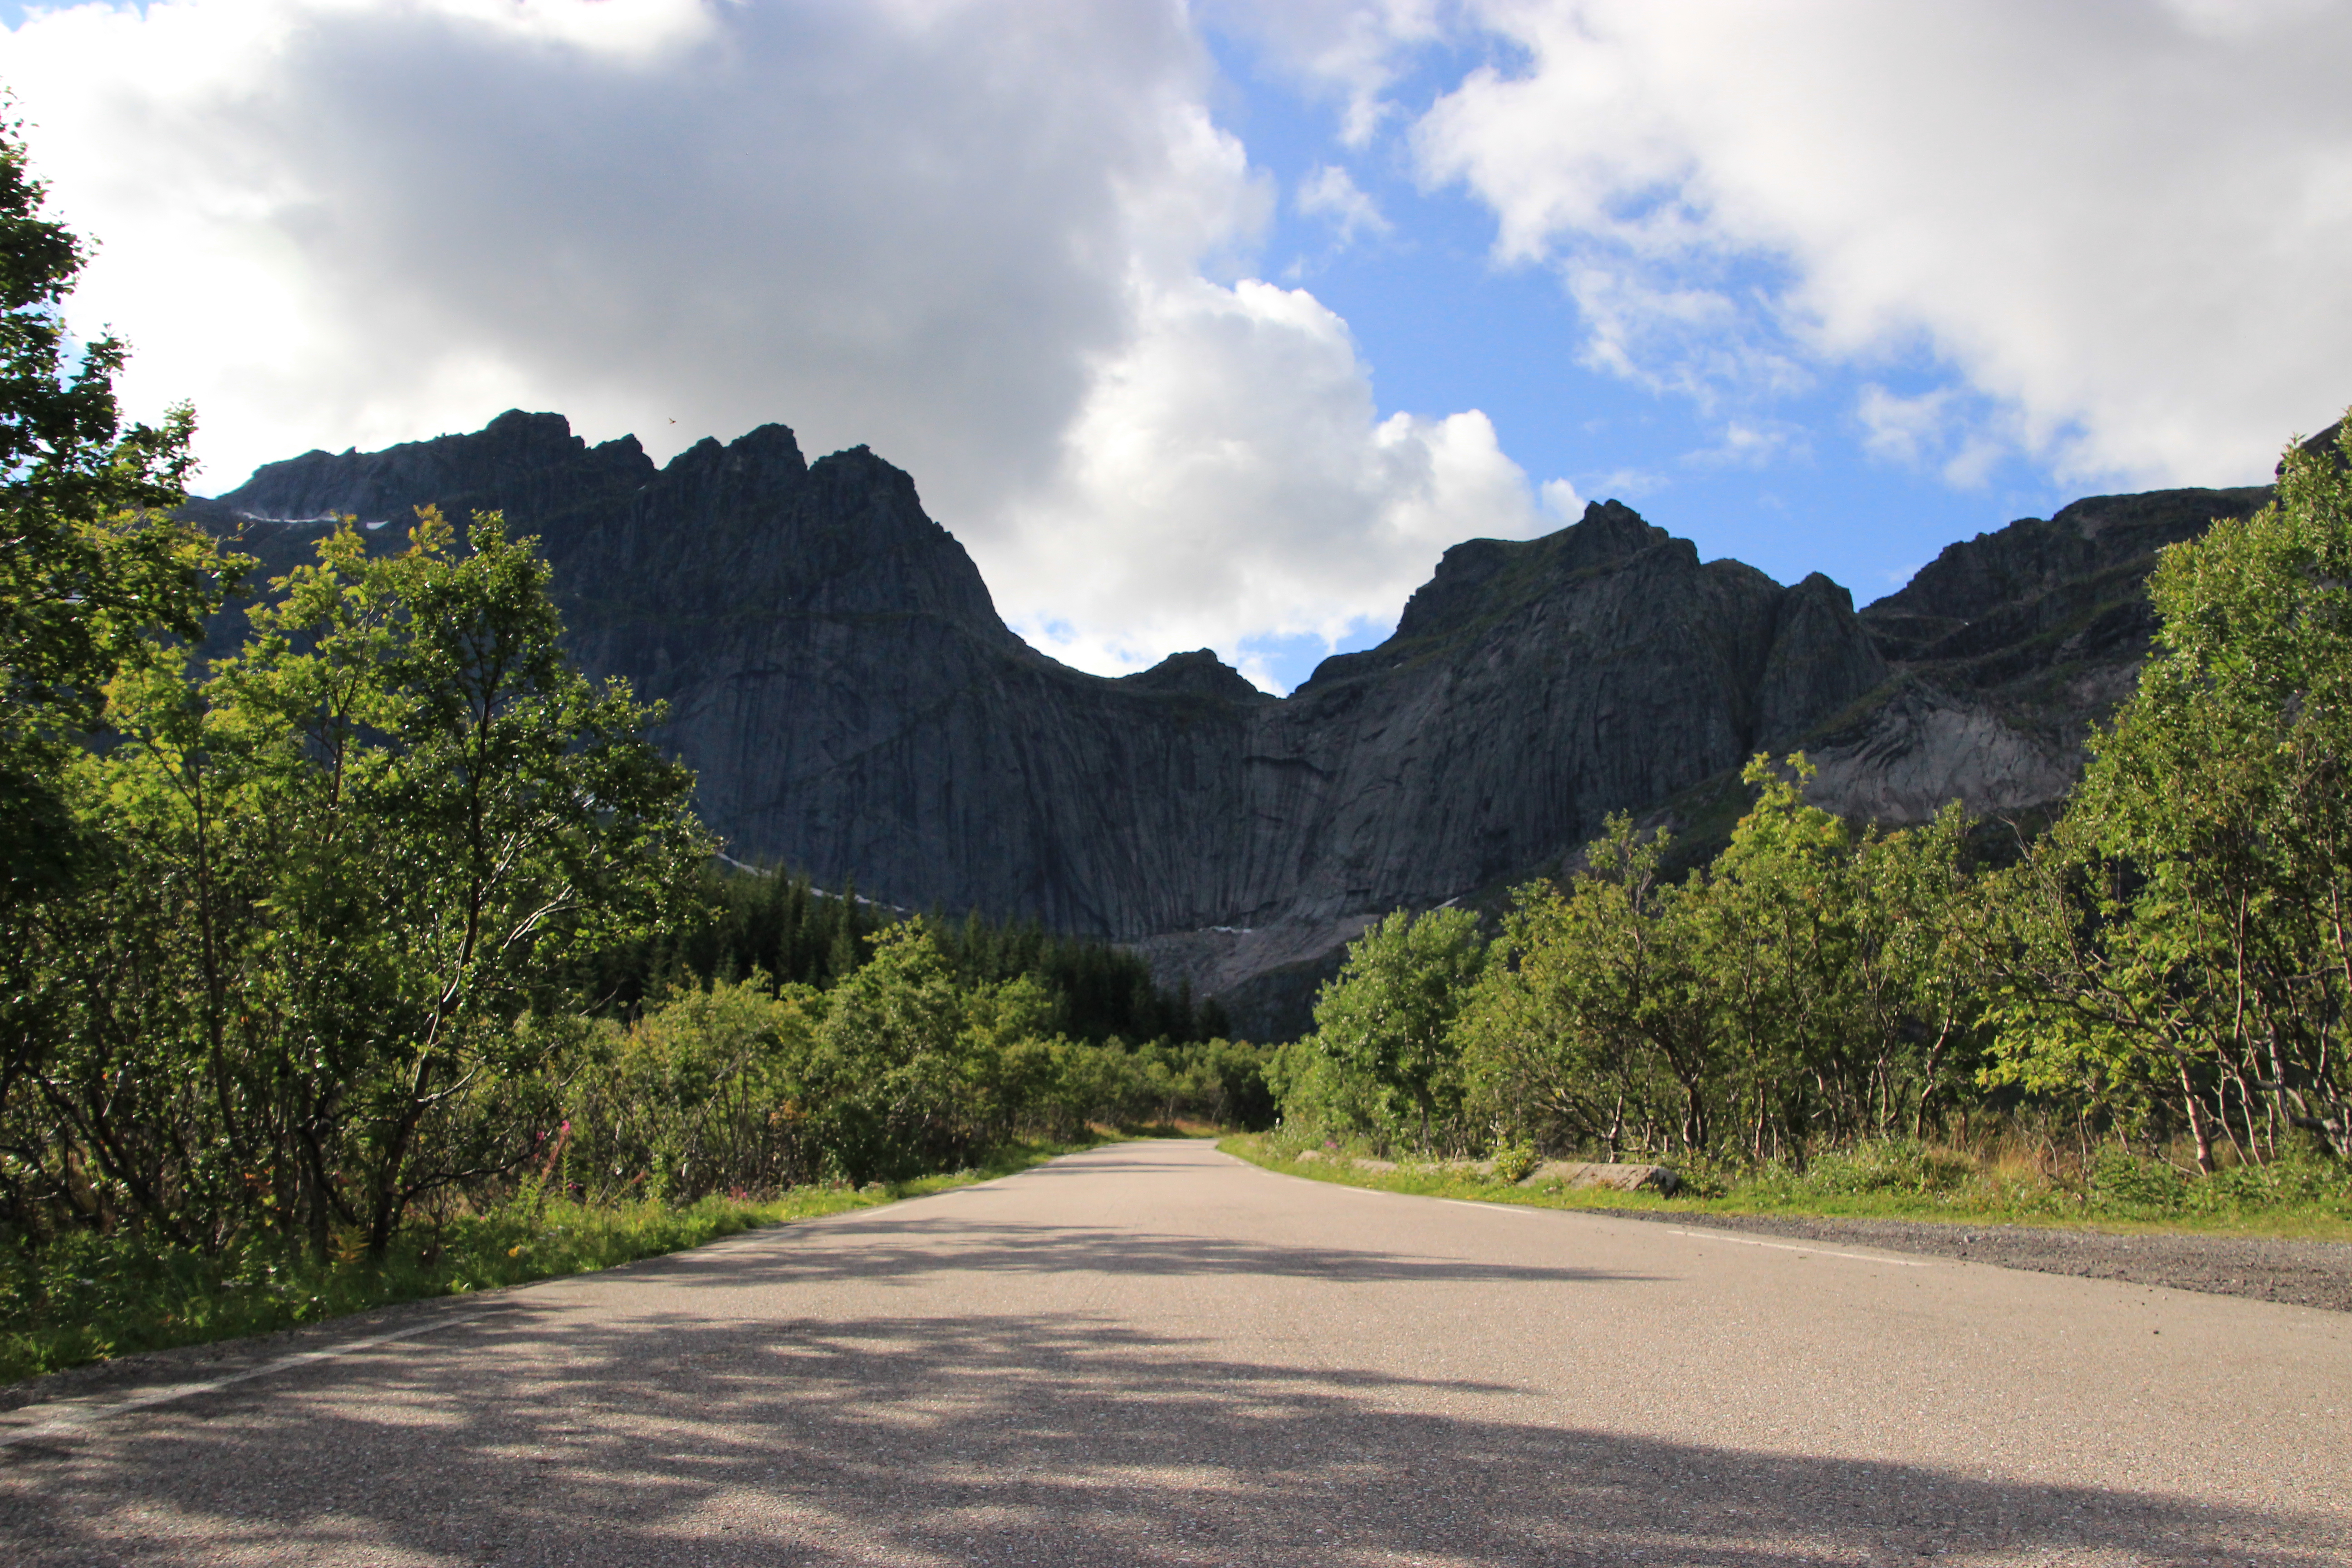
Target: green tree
x,y
1588,1028
702,1093
1386,1019
91,575
1921,983
2181,948
1836,966
350,862
1811,985
1773,931
910,1072
85,566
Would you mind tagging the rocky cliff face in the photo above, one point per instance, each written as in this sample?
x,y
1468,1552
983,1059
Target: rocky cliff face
x,y
854,708
2003,652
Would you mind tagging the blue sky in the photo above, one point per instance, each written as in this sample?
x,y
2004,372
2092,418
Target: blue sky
x,y
1214,325
1444,325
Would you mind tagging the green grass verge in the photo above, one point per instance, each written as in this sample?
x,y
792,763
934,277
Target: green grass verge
x,y
87,1298
2310,1202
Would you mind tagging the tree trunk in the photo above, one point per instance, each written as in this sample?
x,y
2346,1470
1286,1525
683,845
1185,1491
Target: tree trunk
x,y
2197,1128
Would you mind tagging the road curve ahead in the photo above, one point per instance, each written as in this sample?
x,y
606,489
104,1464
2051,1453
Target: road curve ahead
x,y
1153,1354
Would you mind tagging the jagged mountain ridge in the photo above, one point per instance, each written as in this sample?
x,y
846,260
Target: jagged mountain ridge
x,y
854,706
2003,651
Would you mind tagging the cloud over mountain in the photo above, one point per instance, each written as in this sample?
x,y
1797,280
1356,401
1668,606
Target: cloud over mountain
x,y
1014,247
2120,227
995,243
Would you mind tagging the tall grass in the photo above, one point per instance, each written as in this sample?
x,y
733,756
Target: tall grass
x,y
2006,1175
86,1297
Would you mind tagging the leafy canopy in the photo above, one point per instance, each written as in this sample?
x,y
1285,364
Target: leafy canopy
x,y
85,566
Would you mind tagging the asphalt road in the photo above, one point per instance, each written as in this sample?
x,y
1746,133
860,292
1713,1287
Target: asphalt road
x,y
1155,1354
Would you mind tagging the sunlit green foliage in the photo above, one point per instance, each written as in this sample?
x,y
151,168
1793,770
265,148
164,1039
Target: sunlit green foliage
x,y
342,868
1382,1057
1835,970
2181,948
1589,1029
87,567
1814,986
897,1070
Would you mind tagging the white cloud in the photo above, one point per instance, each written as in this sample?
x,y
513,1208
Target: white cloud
x,y
1351,50
1934,429
1331,193
1257,490
2124,224
979,238
331,222
1902,429
1753,444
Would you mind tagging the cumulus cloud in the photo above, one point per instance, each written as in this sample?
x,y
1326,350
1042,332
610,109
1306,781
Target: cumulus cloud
x,y
337,222
1237,441
1331,194
1353,51
981,238
2123,225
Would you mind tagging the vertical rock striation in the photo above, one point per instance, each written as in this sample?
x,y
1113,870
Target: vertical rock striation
x,y
854,707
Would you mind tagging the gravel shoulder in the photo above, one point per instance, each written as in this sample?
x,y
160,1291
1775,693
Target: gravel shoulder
x,y
2299,1273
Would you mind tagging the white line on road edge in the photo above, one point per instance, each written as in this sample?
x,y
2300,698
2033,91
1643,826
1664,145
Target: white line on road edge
x,y
1717,1236
1677,1230
1800,1247
71,1416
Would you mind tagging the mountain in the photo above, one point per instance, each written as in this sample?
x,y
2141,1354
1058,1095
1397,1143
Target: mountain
x,y
854,708
2003,652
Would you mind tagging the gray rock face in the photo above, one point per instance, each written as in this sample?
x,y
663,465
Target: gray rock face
x,y
2005,651
854,706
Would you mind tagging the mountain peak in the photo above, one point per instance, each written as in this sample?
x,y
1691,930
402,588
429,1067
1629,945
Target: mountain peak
x,y
1200,673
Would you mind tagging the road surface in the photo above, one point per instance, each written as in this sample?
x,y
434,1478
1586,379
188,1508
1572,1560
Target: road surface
x,y
1153,1354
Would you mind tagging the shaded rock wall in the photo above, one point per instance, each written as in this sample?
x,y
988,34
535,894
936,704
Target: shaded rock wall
x,y
2004,652
854,706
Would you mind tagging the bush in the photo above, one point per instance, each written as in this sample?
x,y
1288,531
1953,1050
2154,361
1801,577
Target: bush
x,y
1896,1165
1515,1163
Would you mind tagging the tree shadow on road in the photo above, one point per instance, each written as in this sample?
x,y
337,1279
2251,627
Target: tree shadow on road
x,y
894,1247
520,1439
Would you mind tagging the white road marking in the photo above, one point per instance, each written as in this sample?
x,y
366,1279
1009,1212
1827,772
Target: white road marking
x,y
1677,1230
68,1417
1801,1246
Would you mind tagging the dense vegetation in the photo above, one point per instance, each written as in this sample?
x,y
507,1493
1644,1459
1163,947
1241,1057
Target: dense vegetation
x,y
744,921
388,934
2168,970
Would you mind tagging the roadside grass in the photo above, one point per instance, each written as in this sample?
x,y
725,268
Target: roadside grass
x,y
2296,1200
86,1297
